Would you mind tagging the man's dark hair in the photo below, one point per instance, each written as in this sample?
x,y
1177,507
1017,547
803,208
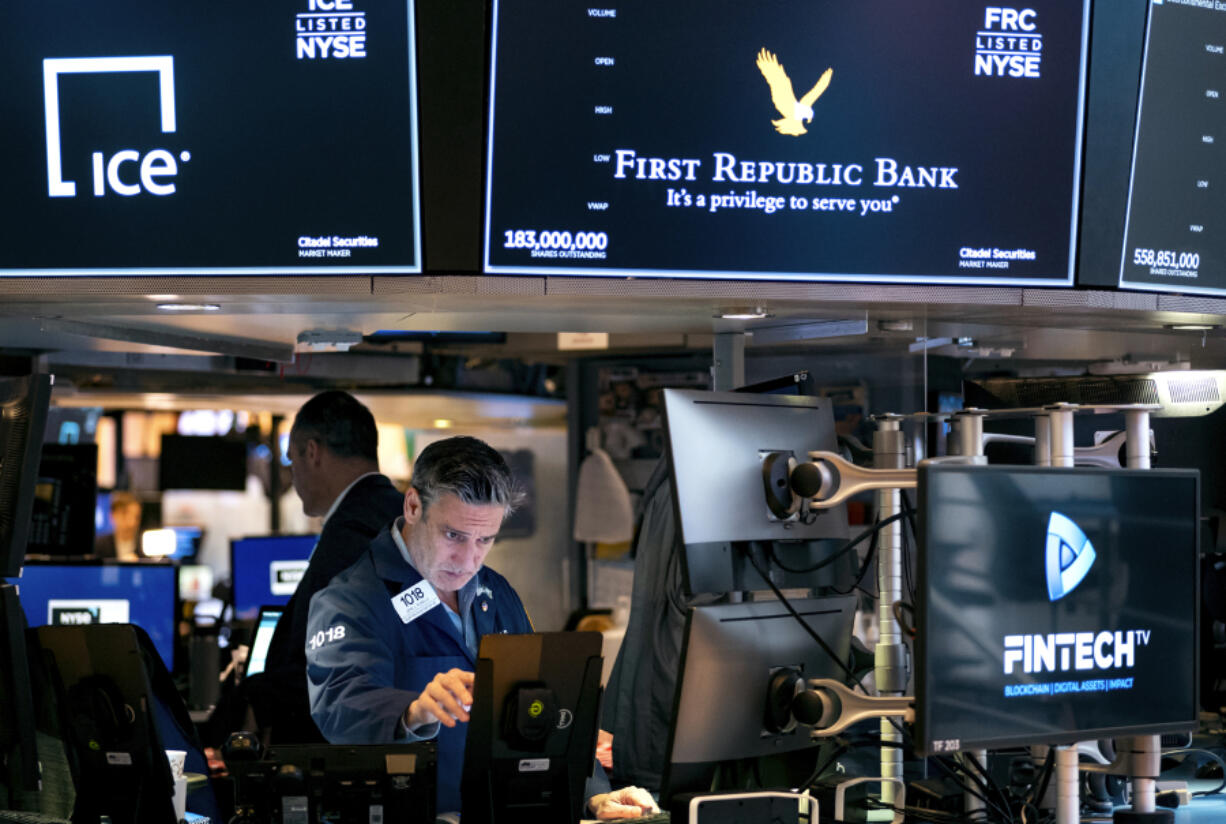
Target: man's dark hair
x,y
468,468
340,422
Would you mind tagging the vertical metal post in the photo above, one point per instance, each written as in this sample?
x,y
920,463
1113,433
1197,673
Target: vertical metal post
x,y
971,802
1042,440
274,477
728,369
1062,444
1068,793
970,445
1146,749
890,670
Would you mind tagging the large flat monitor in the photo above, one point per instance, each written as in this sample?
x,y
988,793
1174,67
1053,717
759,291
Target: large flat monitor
x,y
729,655
794,141
717,445
531,739
266,570
132,149
65,501
1055,605
141,593
202,462
23,413
1172,237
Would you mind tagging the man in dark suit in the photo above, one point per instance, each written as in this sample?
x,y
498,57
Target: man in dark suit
x,y
333,449
123,544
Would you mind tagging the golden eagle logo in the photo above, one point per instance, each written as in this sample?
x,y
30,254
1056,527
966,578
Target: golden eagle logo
x,y
794,111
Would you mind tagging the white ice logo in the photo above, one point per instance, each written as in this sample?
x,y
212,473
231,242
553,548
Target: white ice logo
x,y
154,166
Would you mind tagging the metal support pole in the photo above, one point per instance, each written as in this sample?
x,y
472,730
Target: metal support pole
x,y
1068,791
274,478
1062,444
1068,796
972,803
970,445
1042,440
1146,749
728,371
970,432
890,670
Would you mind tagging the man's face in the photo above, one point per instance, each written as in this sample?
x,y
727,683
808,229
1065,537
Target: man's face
x,y
448,543
126,520
305,474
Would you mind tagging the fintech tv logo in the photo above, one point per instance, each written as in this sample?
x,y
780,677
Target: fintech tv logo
x,y
1069,556
126,172
1009,45
330,29
795,112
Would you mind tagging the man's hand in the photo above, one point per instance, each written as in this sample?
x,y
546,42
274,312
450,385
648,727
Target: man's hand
x,y
628,802
446,699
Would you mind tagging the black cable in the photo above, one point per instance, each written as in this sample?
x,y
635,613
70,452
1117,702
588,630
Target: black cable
x,y
993,786
843,550
851,677
864,567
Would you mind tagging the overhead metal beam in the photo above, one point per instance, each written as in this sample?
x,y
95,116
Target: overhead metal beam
x,y
173,338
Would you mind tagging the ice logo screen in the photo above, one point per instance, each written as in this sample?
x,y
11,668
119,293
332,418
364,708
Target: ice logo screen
x,y
154,171
1069,556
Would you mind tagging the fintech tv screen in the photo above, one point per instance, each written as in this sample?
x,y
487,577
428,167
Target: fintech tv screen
x,y
172,137
1055,605
1173,238
896,140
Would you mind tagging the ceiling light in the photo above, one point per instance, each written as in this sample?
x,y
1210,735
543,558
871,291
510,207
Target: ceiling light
x,y
756,313
442,423
189,307
1192,327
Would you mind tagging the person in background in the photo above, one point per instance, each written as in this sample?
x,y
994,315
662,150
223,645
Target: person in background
x,y
382,669
123,544
335,467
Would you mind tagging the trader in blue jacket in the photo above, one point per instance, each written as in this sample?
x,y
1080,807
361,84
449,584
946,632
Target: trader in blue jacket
x,y
391,660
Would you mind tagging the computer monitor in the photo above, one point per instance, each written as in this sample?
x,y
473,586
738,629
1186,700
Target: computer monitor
x,y
65,498
718,443
178,543
1055,605
531,738
267,569
23,413
202,462
144,593
729,655
265,627
123,771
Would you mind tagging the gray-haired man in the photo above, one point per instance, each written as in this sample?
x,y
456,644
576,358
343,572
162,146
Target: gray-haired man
x,y
389,658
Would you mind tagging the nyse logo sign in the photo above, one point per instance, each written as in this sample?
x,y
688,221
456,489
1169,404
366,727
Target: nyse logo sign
x,y
331,29
1009,45
127,172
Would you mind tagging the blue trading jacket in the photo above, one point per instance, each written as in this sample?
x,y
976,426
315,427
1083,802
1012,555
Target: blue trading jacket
x,y
365,665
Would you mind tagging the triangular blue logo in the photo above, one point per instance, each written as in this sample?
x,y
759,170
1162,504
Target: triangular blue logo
x,y
1069,556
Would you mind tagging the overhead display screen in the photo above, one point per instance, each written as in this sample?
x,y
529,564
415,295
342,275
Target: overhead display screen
x,y
894,140
1055,605
1175,235
171,137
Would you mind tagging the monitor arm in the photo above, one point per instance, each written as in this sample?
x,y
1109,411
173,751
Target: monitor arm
x,y
830,707
829,480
